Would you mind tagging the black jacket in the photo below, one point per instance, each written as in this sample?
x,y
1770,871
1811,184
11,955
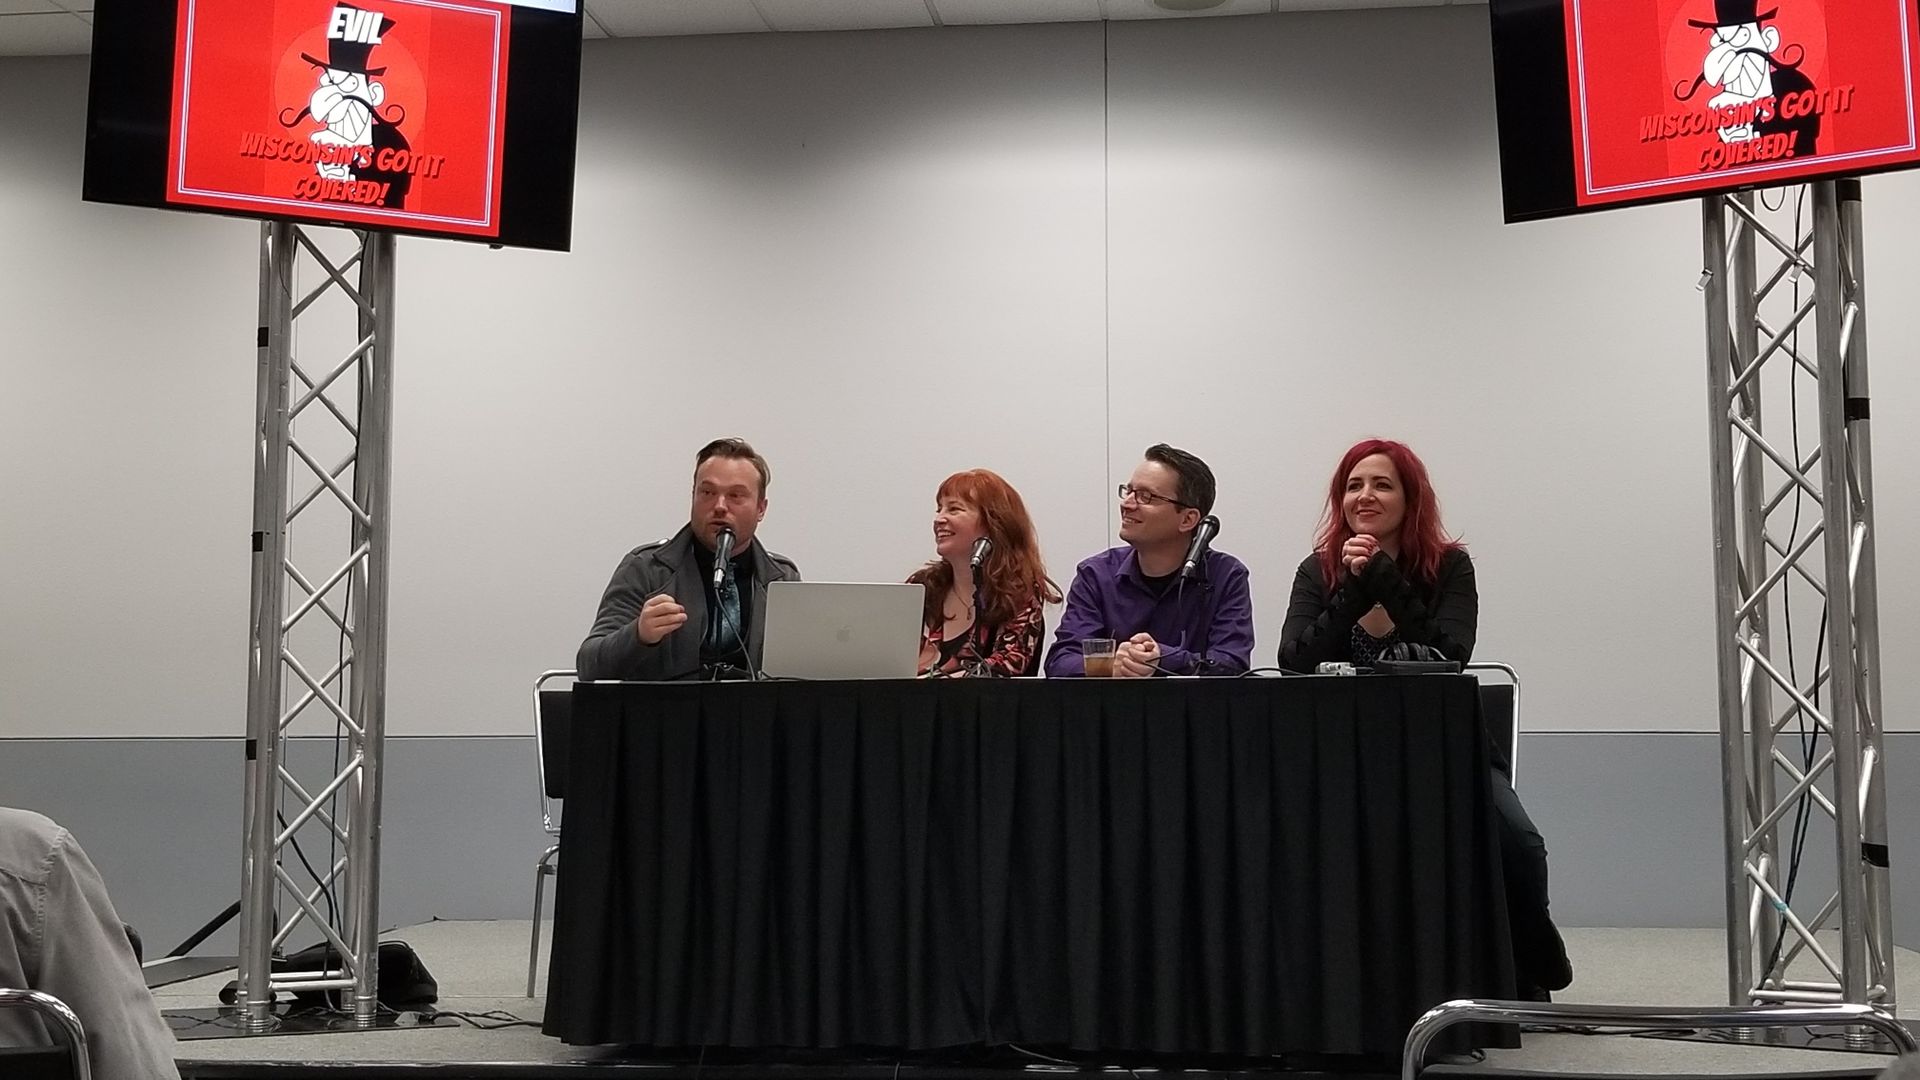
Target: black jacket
x,y
1319,627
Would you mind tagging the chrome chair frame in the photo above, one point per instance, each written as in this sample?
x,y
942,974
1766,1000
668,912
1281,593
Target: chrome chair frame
x,y
1441,1017
61,1020
1513,677
548,865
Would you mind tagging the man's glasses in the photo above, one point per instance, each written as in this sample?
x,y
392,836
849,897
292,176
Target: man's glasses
x,y
1145,497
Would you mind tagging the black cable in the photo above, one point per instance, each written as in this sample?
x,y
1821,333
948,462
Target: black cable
x,y
1786,592
340,661
339,734
227,1018
296,847
340,684
739,631
1017,1048
326,888
979,668
1803,810
211,928
342,691
491,1020
1809,740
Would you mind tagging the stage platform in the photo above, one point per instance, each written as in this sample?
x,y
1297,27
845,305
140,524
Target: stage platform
x,y
481,969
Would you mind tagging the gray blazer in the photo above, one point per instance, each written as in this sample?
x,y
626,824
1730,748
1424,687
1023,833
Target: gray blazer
x,y
613,649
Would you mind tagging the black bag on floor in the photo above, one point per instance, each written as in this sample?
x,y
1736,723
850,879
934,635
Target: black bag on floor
x,y
405,983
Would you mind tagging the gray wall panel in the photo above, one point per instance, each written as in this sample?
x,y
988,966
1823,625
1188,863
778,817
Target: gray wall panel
x,y
162,819
1632,822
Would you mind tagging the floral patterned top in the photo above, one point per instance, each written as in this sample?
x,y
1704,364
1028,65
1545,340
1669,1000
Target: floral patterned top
x,y
1010,649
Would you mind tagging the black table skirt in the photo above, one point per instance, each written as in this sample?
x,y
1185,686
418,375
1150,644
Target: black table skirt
x,y
1248,867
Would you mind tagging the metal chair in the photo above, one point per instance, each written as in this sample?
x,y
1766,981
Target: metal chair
x,y
552,737
1500,705
71,1050
1636,1017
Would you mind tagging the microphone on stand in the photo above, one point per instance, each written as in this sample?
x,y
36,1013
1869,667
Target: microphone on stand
x,y
982,551
722,551
1203,535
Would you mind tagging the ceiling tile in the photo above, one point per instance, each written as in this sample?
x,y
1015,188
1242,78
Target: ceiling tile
x,y
38,27
646,18
1149,9
976,12
44,35
844,14
590,30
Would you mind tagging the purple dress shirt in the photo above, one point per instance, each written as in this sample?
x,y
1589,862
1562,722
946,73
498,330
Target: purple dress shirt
x,y
1205,629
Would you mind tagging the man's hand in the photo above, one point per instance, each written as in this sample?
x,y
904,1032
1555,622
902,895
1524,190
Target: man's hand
x,y
1138,657
659,616
1356,551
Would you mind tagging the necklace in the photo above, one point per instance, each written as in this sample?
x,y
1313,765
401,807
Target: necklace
x,y
955,608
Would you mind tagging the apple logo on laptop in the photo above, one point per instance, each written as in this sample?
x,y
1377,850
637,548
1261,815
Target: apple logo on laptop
x,y
844,635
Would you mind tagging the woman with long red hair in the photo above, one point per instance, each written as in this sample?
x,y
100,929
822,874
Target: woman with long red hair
x,y
991,623
1383,571
1384,575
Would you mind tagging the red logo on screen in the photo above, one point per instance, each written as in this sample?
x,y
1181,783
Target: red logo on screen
x,y
1672,96
1755,71
378,113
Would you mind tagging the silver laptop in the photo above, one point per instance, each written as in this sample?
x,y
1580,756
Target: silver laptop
x,y
842,630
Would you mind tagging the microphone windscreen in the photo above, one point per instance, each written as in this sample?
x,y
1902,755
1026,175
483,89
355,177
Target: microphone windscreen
x,y
722,548
1203,535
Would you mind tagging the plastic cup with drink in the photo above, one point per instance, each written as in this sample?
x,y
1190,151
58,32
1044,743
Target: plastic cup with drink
x,y
1098,655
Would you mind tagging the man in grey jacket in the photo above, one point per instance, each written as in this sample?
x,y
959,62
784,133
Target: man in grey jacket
x,y
59,935
662,617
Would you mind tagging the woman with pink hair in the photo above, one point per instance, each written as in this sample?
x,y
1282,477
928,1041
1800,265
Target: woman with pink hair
x,y
1385,577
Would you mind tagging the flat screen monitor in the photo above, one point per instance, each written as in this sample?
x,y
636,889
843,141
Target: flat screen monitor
x,y
446,118
1606,103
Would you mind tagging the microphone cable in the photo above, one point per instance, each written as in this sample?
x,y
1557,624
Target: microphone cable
x,y
754,674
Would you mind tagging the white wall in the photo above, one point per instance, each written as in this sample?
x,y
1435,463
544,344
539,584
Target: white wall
x,y
884,257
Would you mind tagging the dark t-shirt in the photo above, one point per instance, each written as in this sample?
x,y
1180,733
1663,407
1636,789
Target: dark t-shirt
x,y
1159,585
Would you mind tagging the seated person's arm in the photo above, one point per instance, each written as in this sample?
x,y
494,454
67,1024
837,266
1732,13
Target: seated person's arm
x,y
1318,627
616,647
1229,647
86,961
1449,625
1081,620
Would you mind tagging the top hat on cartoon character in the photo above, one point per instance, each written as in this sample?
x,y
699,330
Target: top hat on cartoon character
x,y
351,35
1734,13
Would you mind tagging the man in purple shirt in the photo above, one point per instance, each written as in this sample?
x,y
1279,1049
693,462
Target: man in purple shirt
x,y
1134,595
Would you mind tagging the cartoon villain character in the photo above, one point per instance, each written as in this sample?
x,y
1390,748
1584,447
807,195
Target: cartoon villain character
x,y
1745,60
347,102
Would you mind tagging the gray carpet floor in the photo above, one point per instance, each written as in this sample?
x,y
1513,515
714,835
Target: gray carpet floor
x,y
481,967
